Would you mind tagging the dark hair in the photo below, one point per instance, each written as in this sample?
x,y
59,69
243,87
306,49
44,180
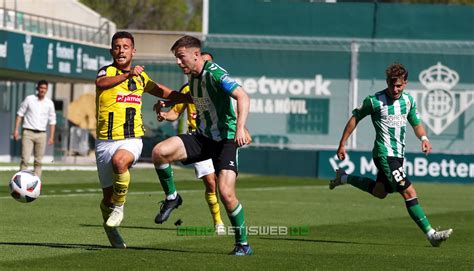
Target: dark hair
x,y
396,71
207,53
123,35
186,41
41,82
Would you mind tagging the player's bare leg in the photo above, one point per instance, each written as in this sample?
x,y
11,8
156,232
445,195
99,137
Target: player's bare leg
x,y
235,211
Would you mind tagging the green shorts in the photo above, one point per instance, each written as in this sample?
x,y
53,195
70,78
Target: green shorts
x,y
391,173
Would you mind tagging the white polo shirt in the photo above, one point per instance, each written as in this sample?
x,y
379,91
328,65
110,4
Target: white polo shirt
x,y
37,113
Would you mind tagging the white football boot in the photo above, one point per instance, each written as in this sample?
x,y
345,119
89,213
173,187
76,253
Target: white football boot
x,y
115,217
439,236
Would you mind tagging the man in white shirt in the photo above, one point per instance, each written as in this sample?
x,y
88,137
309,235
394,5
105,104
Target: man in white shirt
x,y
36,111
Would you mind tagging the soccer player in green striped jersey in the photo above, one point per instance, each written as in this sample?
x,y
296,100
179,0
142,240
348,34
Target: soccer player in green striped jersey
x,y
390,110
220,132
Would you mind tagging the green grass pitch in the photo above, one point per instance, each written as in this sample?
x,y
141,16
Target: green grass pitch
x,y
348,229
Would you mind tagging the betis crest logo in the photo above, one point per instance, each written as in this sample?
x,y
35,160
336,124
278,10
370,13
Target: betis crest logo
x,y
439,104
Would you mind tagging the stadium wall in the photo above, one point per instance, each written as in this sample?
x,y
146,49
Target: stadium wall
x,y
355,20
301,98
305,77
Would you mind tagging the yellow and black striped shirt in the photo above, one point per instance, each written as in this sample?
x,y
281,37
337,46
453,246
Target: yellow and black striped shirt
x,y
118,108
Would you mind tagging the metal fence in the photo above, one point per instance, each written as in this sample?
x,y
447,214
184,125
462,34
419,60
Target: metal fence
x,y
22,21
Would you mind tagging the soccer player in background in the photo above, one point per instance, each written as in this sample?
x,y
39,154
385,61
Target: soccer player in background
x,y
219,134
119,90
390,109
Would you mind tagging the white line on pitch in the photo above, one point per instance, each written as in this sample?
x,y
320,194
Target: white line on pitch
x,y
275,188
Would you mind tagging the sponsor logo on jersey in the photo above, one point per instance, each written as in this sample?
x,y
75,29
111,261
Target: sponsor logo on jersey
x,y
395,121
130,98
202,103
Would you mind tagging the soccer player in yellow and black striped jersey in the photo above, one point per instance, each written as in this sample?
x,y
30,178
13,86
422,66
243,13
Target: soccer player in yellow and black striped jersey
x,y
120,87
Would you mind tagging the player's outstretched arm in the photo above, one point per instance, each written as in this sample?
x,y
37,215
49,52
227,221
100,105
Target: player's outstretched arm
x,y
175,97
421,134
350,126
171,115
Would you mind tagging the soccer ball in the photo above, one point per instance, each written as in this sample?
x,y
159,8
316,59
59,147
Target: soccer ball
x,y
25,186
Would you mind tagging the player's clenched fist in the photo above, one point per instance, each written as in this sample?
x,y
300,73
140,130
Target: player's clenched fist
x,y
341,152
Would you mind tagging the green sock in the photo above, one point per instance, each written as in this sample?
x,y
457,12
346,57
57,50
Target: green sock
x,y
166,179
418,215
237,220
364,184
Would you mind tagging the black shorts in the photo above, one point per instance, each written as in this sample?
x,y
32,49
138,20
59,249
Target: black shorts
x,y
391,173
198,148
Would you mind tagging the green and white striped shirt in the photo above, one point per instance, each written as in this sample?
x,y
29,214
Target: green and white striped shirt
x,y
389,118
211,91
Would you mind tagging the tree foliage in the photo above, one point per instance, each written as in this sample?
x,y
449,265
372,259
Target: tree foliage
x,y
177,15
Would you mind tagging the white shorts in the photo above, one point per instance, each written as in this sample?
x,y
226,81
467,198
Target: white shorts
x,y
105,150
203,168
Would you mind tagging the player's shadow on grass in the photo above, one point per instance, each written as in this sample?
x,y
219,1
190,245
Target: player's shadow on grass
x,y
98,247
131,227
323,241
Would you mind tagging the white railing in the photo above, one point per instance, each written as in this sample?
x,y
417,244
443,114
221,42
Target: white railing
x,y
22,21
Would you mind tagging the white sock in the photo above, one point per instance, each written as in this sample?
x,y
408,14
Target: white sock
x,y
430,233
172,196
162,166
